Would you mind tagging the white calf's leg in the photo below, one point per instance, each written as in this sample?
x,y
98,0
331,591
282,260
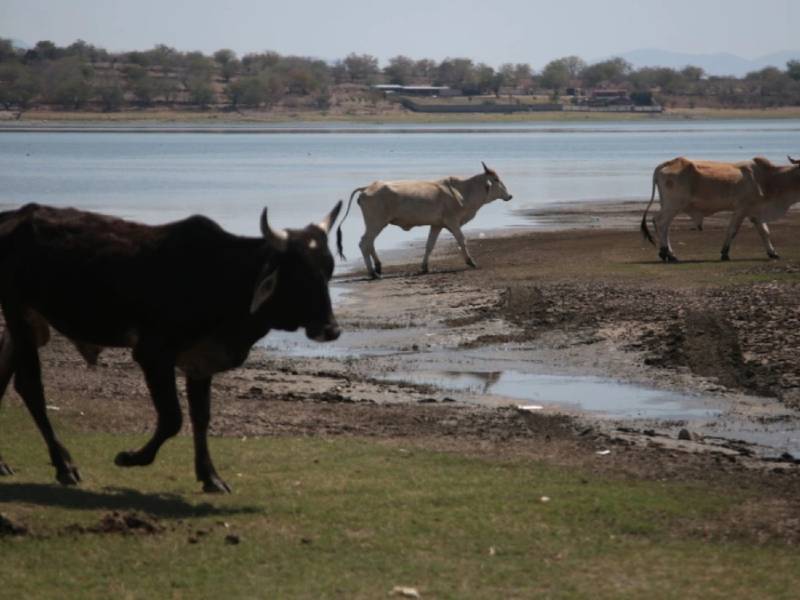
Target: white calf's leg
x,y
367,246
462,243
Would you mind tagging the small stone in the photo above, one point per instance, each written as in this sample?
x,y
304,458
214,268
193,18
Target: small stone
x,y
684,434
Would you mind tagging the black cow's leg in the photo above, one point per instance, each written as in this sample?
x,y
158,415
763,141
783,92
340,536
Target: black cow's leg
x,y
6,372
160,377
198,390
28,383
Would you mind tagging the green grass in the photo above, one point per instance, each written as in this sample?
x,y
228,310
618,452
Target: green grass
x,y
353,518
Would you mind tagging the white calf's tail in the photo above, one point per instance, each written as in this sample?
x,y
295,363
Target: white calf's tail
x,y
347,212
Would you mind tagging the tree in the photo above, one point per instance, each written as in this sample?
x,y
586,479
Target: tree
x,y
46,50
555,75
361,68
200,93
166,87
7,50
111,96
228,63
692,73
400,70
793,69
425,70
575,66
141,84
458,73
67,82
198,67
224,56
254,90
615,71
17,86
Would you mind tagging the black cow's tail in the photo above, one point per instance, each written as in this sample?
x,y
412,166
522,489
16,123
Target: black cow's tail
x,y
339,229
645,230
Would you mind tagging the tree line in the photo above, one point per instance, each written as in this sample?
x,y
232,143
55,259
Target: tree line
x,y
82,75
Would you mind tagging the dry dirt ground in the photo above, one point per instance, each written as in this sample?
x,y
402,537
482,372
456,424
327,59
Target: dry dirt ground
x,y
586,297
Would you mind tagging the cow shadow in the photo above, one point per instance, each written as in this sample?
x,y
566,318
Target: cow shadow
x,y
700,261
115,499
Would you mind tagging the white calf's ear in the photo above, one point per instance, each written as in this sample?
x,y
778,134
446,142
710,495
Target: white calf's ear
x,y
264,290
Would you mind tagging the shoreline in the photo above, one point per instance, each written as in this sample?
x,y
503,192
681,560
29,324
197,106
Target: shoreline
x,y
585,301
43,119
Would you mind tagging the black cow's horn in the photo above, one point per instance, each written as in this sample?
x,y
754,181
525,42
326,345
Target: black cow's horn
x,y
276,239
794,161
330,219
485,168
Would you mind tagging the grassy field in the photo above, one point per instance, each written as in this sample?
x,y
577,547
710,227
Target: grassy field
x,y
318,518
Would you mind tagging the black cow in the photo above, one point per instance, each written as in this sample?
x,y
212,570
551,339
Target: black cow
x,y
185,294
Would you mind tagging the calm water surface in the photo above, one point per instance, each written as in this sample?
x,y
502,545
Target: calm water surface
x,y
299,171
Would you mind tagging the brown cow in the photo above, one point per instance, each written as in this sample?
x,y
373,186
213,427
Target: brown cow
x,y
754,189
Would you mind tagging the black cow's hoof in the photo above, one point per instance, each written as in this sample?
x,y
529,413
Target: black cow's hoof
x,y
378,268
671,258
130,458
215,485
373,276
725,258
5,470
773,255
472,263
70,476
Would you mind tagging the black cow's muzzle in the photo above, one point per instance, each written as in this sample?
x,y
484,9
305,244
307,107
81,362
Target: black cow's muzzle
x,y
509,198
325,333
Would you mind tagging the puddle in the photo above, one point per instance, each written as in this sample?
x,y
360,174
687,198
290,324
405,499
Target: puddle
x,y
591,394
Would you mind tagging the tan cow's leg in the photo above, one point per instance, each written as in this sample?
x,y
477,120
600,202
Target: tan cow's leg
x,y
433,235
763,232
733,229
663,221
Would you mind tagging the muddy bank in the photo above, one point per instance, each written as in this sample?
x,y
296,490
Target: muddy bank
x,y
589,299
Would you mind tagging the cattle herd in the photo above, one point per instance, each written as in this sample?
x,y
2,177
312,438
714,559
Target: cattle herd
x,y
190,295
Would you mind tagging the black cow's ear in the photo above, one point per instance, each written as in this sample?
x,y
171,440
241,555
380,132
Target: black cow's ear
x,y
265,287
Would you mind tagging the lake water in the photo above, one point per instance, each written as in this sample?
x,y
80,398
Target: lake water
x,y
159,173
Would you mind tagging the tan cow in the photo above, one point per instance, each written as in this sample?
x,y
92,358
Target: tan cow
x,y
448,203
754,189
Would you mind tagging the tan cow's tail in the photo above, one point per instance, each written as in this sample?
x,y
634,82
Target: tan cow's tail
x,y
339,230
645,230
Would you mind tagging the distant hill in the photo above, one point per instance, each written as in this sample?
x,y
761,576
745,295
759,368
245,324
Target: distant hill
x,y
714,64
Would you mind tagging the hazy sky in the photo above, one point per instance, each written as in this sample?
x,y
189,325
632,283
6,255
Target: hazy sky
x,y
492,31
